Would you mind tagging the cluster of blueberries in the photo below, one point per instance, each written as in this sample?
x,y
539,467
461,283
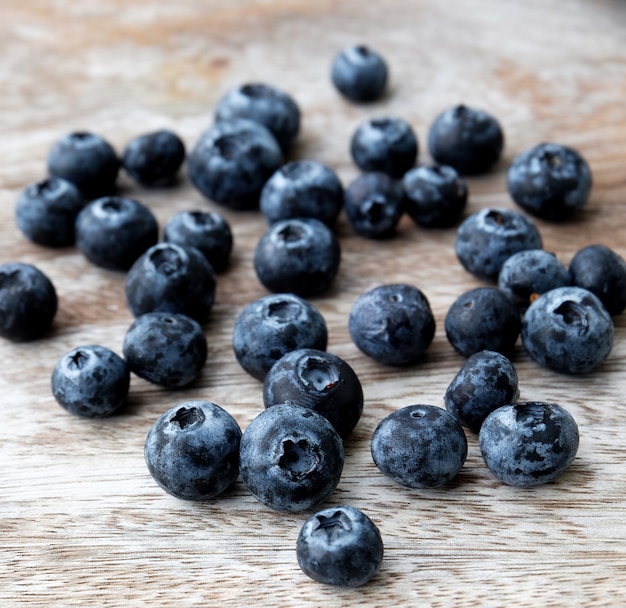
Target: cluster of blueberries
x,y
291,455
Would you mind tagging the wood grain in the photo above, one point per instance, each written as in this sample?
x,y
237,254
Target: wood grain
x,y
82,523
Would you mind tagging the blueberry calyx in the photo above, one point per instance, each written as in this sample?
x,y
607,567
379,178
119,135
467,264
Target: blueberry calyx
x,y
298,458
188,417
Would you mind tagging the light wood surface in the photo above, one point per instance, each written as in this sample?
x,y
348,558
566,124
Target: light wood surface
x,y
81,521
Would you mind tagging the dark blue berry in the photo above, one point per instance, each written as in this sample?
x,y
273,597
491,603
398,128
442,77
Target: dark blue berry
x,y
387,144
393,324
113,232
528,444
302,188
359,73
28,302
87,160
435,196
485,239
468,139
298,255
232,160
167,349
207,231
568,330
483,318
91,381
486,381
374,204
419,446
192,450
153,159
171,278
550,181
340,546
317,380
271,326
265,104
603,272
291,458
46,212
527,274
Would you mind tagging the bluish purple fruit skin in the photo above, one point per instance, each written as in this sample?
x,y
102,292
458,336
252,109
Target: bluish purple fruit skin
x,y
91,381
192,450
167,349
271,326
28,302
486,381
528,444
359,73
318,380
291,458
419,446
340,546
568,330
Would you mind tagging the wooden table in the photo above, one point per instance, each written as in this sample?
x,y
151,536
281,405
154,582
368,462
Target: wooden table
x,y
83,523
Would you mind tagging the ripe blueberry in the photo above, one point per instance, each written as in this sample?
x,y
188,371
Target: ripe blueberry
x,y
192,450
419,446
298,255
291,458
167,349
568,330
91,381
359,73
528,444
271,326
550,181
318,380
113,232
392,324
28,302
340,546
468,139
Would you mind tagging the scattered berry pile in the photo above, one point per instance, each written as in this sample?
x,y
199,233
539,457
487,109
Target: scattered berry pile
x,y
291,456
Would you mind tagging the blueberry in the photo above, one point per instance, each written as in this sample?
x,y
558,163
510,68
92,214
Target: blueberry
x,y
435,196
232,160
265,104
419,446
299,255
317,380
302,188
374,204
359,73
291,458
485,239
112,232
28,302
46,212
166,349
340,546
387,144
91,381
486,381
550,181
528,444
87,160
153,159
271,326
207,231
468,139
568,330
171,278
192,450
393,324
527,274
483,318
603,272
